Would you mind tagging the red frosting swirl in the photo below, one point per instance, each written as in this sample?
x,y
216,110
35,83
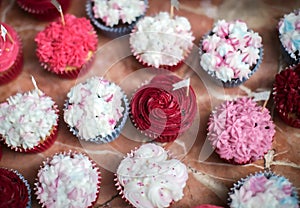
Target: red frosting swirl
x,y
8,50
287,95
14,192
64,47
161,113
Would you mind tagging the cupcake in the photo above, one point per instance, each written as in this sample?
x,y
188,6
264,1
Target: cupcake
x,y
29,122
231,52
162,41
240,131
15,190
265,189
67,50
43,9
148,177
286,95
96,110
68,180
289,35
11,54
207,206
115,18
160,112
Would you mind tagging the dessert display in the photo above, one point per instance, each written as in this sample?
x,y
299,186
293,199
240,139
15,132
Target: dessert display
x,y
96,110
231,52
240,131
11,54
160,112
148,177
161,41
115,18
67,48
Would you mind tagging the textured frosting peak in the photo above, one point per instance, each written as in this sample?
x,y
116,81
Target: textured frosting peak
x,y
112,11
241,131
65,47
22,119
68,180
150,179
94,108
162,40
230,50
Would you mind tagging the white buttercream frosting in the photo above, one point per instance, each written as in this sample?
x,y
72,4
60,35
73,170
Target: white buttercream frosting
x,y
68,180
94,108
113,11
230,51
27,119
150,178
162,40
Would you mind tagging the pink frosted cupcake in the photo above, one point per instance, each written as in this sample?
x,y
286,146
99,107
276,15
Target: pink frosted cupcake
x,y
11,55
241,131
161,41
231,52
68,180
43,9
148,177
29,122
67,50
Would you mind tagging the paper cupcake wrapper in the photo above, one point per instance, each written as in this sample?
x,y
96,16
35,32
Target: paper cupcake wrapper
x,y
112,32
72,74
28,205
268,174
41,13
43,144
111,136
15,69
233,82
70,153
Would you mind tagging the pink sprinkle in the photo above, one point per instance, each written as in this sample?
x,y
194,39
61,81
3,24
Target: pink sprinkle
x,y
111,121
110,98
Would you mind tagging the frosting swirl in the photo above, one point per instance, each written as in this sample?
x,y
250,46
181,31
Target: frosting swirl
x,y
68,180
9,50
151,180
15,190
287,94
241,131
160,112
23,122
66,47
267,191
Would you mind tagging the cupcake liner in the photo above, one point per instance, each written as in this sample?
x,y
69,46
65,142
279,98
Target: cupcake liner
x,y
72,74
233,82
41,13
15,70
114,134
71,153
42,145
111,32
268,174
25,182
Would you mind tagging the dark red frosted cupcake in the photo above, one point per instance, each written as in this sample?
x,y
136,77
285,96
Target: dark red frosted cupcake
x,y
43,9
287,95
15,190
160,112
67,50
11,55
207,206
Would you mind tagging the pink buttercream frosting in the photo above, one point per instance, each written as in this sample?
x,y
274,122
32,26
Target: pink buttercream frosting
x,y
64,47
241,131
9,50
231,50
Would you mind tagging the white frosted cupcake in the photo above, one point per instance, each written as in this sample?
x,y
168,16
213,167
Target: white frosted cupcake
x,y
148,177
68,180
96,110
162,41
29,121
